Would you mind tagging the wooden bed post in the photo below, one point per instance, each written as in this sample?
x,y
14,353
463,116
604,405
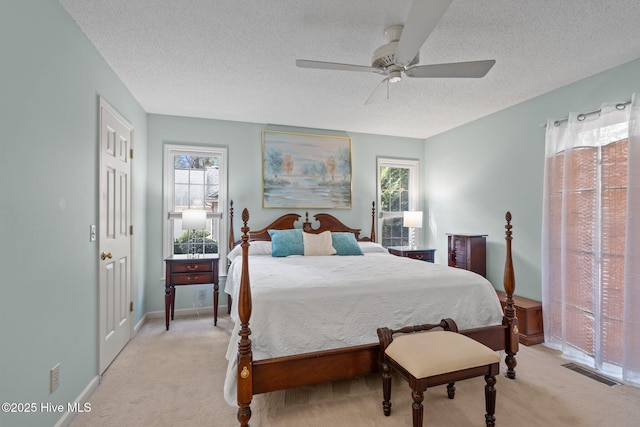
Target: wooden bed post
x,y
232,239
510,320
245,355
373,222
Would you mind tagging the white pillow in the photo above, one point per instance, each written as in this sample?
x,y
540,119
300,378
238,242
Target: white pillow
x,y
259,247
371,247
318,244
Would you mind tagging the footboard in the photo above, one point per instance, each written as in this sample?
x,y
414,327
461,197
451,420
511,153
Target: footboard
x,y
282,373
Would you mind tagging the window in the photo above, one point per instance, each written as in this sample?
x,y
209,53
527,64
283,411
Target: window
x,y
195,178
588,192
397,192
590,266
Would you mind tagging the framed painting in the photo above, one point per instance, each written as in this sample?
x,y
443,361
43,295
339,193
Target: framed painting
x,y
305,171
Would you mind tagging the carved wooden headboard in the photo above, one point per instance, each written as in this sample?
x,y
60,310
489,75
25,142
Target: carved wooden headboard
x,y
327,222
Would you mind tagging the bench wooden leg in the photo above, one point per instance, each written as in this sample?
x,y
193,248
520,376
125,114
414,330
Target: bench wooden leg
x,y
451,390
490,400
386,389
418,409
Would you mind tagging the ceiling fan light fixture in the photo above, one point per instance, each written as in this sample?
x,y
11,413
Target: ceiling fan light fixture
x,y
395,77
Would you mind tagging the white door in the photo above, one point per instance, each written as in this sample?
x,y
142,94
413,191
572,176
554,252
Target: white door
x,y
115,298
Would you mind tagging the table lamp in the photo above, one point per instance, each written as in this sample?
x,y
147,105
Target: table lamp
x,y
192,220
412,220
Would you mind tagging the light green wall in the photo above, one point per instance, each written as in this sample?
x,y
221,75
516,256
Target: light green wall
x,y
244,142
50,80
476,172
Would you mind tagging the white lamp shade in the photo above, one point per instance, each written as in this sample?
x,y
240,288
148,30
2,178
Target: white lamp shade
x,y
412,219
194,219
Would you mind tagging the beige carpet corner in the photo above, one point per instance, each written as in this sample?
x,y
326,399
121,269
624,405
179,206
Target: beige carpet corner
x,y
175,378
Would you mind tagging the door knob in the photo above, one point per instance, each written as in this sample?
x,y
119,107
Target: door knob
x,y
105,255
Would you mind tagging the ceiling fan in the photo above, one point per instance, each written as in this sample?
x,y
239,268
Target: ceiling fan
x,y
401,53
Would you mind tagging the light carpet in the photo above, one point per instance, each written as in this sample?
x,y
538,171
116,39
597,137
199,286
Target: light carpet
x,y
175,378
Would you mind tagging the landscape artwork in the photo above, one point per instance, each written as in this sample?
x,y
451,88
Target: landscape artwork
x,y
305,170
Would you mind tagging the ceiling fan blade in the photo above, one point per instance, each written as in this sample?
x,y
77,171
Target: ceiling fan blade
x,y
304,63
423,18
471,69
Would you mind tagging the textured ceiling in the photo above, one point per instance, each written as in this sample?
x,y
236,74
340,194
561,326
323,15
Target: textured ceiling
x,y
235,59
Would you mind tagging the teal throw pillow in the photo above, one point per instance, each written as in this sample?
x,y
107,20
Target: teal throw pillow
x,y
345,243
286,242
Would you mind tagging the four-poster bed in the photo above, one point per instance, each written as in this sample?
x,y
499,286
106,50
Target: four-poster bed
x,y
306,367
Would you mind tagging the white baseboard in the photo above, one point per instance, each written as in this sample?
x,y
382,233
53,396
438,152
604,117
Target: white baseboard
x,y
183,312
139,324
67,417
180,312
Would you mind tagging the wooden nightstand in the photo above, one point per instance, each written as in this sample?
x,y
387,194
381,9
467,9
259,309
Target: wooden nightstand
x,y
187,270
419,252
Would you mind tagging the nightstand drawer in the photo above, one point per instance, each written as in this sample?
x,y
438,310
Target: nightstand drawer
x,y
418,253
192,267
192,278
423,256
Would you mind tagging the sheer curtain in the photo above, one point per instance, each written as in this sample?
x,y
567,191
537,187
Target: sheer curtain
x,y
591,239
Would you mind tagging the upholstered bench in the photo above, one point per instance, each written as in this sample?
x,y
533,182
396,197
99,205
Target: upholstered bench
x,y
428,359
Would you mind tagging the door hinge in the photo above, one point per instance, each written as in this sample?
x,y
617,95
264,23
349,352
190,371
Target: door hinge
x,y
131,229
130,306
131,153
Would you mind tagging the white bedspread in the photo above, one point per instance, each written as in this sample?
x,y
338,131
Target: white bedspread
x,y
304,304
